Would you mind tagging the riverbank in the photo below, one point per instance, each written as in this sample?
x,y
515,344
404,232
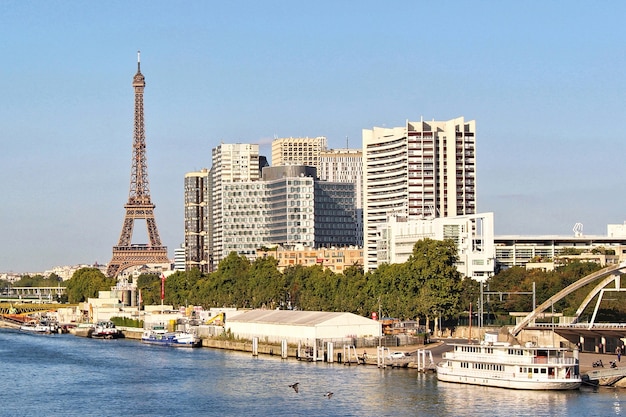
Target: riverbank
x,y
586,358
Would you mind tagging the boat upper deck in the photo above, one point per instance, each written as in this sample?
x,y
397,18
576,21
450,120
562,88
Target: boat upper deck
x,y
510,354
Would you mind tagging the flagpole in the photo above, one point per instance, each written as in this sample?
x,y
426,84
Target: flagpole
x,y
162,290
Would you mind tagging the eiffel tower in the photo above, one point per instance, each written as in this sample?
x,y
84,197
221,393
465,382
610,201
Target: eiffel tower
x,y
139,205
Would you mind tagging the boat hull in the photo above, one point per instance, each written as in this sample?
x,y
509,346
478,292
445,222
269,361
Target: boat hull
x,y
37,330
105,330
171,339
170,344
511,383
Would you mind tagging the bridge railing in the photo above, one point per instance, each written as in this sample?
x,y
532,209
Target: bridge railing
x,y
580,325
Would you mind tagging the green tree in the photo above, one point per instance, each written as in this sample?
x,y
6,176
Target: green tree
x,y
85,283
150,287
38,281
267,284
434,278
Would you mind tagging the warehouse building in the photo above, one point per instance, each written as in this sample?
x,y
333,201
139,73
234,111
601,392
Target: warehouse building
x,y
274,326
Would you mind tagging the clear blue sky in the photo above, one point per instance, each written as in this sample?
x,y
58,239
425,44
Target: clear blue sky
x,y
545,82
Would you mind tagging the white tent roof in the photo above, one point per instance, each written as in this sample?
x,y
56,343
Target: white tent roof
x,y
298,318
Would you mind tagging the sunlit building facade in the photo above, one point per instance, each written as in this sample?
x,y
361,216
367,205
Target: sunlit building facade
x,y
472,234
420,170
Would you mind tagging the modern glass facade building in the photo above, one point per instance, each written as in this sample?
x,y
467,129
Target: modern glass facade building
x,y
287,207
234,208
345,165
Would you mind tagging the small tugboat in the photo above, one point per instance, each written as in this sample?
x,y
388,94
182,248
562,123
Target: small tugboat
x,y
159,336
497,364
105,330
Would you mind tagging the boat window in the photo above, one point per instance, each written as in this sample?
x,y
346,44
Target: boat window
x,y
536,371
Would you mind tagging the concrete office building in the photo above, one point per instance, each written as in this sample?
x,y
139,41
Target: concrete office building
x,y
473,235
420,170
298,151
289,206
337,259
513,250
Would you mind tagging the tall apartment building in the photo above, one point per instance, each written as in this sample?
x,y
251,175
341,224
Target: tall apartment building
x,y
232,163
298,151
420,170
197,220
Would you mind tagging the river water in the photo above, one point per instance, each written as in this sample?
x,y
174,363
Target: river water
x,y
65,375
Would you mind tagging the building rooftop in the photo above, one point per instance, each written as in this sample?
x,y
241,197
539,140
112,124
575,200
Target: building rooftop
x,y
289,317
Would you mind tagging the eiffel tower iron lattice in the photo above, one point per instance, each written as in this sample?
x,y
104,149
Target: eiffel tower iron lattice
x,y
139,205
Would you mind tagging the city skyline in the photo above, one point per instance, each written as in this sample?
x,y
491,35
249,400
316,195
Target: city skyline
x,y
544,83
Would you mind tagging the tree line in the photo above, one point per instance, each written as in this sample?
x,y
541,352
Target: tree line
x,y
427,286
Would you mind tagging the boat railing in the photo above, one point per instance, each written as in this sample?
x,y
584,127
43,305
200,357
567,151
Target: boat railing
x,y
554,361
509,359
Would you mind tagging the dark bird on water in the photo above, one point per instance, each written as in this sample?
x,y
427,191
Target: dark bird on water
x,y
295,386
328,394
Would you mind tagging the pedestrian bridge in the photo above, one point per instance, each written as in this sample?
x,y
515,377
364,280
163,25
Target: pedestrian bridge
x,y
31,293
568,331
608,280
27,308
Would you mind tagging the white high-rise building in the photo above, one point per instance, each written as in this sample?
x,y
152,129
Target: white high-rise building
x,y
420,170
232,163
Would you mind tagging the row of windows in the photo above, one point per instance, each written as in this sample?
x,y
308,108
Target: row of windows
x,y
483,366
543,371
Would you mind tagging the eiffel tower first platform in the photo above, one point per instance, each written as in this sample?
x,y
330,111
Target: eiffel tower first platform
x,y
139,205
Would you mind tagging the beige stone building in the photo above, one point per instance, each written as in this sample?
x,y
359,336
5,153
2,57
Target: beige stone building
x,y
335,259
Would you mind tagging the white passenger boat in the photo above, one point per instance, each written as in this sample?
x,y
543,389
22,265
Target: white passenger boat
x,y
503,365
37,327
159,336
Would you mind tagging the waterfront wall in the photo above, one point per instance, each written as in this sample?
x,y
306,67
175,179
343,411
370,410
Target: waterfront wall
x,y
246,346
